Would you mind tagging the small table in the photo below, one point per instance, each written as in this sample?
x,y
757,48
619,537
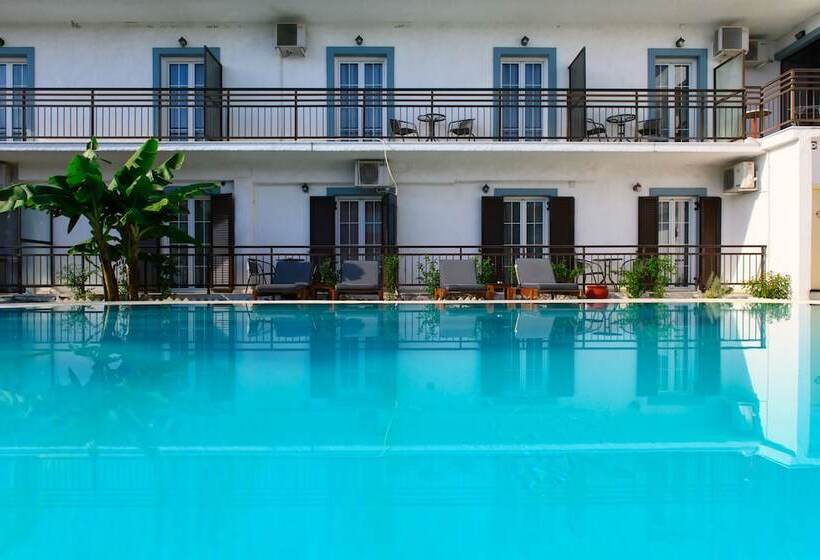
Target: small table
x,y
621,120
431,119
754,116
329,289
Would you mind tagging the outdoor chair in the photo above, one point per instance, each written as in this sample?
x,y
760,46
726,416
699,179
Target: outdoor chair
x,y
650,129
462,128
360,277
256,272
596,129
458,277
402,129
291,278
535,276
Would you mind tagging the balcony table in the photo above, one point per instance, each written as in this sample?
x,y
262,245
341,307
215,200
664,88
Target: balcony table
x,y
754,116
621,120
431,119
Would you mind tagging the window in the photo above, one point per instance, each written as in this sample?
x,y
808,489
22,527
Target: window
x,y
676,227
12,77
524,220
676,109
359,223
522,108
361,110
192,262
185,80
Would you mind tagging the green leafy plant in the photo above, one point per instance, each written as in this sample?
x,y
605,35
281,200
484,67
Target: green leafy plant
x,y
166,271
76,278
771,286
647,274
327,272
567,272
390,272
484,270
715,288
429,275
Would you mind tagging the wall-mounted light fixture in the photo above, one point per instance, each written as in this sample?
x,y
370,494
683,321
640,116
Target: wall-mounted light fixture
x,y
800,34
486,188
183,42
305,188
2,42
359,40
637,187
680,42
525,41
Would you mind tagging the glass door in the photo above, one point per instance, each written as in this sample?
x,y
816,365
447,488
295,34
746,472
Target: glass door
x,y
12,78
522,110
185,81
524,229
359,228
192,261
676,108
361,111
677,228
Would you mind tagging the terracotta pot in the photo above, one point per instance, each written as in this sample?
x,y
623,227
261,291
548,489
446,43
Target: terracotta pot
x,y
597,291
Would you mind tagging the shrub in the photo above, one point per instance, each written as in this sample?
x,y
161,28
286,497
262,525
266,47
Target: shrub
x,y
484,270
648,274
771,286
715,288
76,278
429,275
327,272
566,273
390,270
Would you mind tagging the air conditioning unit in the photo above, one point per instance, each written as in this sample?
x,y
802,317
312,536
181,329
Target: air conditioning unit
x,y
730,41
290,39
740,178
758,54
371,173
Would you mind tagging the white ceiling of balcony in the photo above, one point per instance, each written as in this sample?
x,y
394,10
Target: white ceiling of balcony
x,y
763,16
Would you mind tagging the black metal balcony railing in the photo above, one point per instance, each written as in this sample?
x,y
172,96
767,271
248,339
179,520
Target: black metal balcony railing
x,y
365,114
226,268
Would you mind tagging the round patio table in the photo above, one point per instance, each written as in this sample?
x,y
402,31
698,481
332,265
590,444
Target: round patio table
x,y
621,120
431,119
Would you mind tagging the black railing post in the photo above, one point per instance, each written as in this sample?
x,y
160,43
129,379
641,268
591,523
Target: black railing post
x,y
296,114
227,134
91,118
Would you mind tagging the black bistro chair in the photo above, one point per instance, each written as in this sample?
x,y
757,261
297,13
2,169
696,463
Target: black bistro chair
x,y
402,129
462,128
596,129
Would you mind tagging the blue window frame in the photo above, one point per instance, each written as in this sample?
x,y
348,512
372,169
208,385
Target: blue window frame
x,y
370,70
183,117
525,77
16,75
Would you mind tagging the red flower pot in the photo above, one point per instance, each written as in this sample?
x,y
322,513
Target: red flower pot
x,y
597,291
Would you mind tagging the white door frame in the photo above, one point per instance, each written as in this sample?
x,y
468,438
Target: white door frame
x,y
671,88
521,95
359,61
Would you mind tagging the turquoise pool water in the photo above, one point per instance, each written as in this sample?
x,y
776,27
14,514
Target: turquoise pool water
x,y
279,431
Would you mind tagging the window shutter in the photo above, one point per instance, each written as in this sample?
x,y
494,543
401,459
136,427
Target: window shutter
x,y
10,225
389,220
492,232
148,272
212,99
648,225
562,230
222,242
322,227
709,208
576,98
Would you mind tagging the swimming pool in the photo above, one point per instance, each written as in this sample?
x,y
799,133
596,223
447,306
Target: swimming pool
x,y
408,431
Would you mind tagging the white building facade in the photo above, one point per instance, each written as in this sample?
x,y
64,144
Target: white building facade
x,y
529,129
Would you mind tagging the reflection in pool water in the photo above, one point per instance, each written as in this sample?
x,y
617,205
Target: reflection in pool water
x,y
372,432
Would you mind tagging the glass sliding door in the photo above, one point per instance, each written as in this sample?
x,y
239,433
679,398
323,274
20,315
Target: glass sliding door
x,y
12,115
185,81
192,261
361,110
524,228
522,107
676,227
359,228
676,107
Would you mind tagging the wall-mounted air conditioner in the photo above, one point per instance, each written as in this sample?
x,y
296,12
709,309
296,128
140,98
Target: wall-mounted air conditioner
x,y
758,54
740,178
371,173
731,40
290,39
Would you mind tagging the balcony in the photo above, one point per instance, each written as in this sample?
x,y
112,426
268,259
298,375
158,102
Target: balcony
x,y
791,99
410,115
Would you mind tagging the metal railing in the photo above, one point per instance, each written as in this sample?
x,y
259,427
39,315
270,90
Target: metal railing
x,y
208,268
791,99
366,114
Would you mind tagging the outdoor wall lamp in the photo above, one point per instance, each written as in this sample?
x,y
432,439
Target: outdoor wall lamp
x,y
359,40
305,188
183,42
800,34
680,42
2,42
637,187
486,188
525,41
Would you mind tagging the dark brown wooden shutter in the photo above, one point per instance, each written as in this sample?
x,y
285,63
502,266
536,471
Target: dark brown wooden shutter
x,y
648,225
389,220
212,99
322,227
562,230
222,242
10,229
576,98
492,232
149,265
709,213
